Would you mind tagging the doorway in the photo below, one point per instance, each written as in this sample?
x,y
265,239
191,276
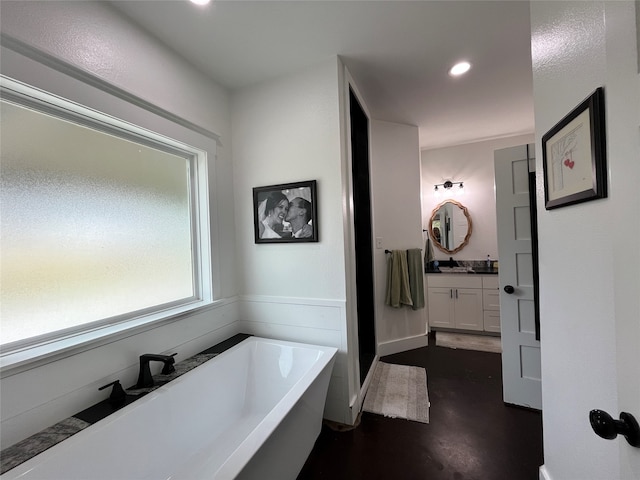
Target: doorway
x,y
363,235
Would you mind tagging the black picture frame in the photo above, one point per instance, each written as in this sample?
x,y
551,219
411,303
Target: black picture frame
x,y
574,155
297,224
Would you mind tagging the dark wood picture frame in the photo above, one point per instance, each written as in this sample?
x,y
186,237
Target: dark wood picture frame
x,y
574,155
286,213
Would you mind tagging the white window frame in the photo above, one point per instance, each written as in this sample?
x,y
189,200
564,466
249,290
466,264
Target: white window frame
x,y
19,354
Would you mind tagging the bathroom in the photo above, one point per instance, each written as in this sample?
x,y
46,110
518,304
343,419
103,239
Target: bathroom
x,y
253,297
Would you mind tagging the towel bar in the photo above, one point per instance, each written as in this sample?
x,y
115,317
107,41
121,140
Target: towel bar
x,y
389,251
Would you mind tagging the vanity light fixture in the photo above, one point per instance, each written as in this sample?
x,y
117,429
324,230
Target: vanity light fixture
x,y
459,69
448,184
200,2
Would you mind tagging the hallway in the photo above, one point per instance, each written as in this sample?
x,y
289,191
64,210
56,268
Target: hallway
x,y
472,435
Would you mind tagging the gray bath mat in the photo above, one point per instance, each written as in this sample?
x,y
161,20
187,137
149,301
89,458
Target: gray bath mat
x,y
398,391
482,343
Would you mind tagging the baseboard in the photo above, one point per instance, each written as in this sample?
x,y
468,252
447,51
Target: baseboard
x,y
544,474
402,345
466,332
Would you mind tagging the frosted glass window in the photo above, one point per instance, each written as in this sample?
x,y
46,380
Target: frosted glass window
x,y
95,228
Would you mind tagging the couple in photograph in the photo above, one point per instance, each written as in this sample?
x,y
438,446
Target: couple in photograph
x,y
279,211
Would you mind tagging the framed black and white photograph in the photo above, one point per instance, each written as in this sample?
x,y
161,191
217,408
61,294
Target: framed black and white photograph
x,y
574,155
286,213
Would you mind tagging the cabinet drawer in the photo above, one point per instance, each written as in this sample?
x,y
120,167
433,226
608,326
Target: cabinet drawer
x,y
460,280
491,321
490,281
491,300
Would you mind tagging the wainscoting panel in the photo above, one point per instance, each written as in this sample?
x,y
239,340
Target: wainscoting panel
x,y
313,321
40,397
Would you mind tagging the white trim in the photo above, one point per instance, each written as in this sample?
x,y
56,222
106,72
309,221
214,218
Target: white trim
x,y
351,84
89,78
544,473
30,357
293,300
349,239
358,400
348,84
202,260
31,95
403,344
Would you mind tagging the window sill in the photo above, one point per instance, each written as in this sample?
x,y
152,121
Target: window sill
x,y
17,361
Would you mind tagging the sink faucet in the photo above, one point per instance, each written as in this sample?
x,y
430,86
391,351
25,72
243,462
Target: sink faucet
x,y
145,379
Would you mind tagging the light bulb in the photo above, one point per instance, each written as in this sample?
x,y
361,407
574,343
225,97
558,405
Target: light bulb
x,y
459,69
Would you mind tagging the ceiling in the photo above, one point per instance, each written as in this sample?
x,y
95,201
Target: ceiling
x,y
398,53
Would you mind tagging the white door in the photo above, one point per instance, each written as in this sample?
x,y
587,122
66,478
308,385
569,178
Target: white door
x,y
521,370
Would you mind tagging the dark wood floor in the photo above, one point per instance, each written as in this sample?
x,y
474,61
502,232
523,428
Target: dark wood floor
x,y
471,435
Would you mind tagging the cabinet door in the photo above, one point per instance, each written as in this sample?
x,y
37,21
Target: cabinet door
x,y
468,313
440,307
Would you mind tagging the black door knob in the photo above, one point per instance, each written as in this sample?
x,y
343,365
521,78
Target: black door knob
x,y
509,289
606,427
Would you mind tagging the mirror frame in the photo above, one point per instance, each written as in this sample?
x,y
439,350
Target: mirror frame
x,y
469,230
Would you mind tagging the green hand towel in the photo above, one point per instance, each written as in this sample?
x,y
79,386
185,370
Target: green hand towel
x,y
398,289
428,255
416,277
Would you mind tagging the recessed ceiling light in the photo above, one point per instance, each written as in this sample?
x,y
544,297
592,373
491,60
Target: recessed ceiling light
x,y
200,2
459,69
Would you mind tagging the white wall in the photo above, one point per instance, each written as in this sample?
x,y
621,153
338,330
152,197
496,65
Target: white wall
x,y
589,280
91,37
472,164
288,130
284,131
397,213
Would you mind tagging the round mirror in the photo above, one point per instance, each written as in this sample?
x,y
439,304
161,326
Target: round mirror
x,y
450,226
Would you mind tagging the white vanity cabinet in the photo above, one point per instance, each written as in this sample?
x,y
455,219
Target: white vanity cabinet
x,y
455,301
463,302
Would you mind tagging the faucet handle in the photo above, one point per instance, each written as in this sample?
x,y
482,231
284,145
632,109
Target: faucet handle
x,y
118,396
168,366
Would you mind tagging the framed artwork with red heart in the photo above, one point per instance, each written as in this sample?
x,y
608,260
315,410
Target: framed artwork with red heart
x,y
574,155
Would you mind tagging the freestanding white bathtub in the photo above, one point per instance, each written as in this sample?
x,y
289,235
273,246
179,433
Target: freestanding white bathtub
x,y
253,412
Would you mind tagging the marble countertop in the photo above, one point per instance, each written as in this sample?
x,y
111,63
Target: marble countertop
x,y
477,271
462,267
35,444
